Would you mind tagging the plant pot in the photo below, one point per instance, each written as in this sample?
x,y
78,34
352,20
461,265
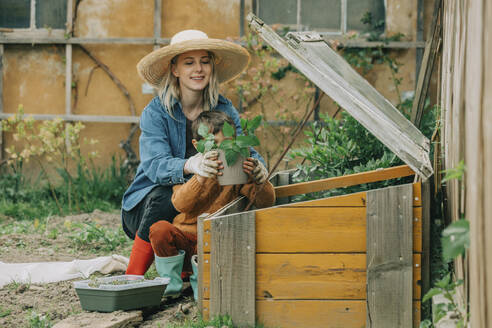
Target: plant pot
x,y
125,292
232,175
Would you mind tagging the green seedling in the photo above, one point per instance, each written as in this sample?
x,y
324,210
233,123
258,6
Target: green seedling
x,y
53,234
37,320
90,235
447,288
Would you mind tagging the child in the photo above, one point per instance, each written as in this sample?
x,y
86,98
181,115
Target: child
x,y
202,194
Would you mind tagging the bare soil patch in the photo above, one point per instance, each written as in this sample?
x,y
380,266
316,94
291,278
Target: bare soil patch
x,y
65,239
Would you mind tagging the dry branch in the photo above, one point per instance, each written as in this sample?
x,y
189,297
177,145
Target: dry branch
x,y
124,144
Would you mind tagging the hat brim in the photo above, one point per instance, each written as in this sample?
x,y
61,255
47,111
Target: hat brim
x,y
232,59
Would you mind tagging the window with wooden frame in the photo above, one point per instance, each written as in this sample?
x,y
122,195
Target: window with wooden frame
x,y
33,17
331,17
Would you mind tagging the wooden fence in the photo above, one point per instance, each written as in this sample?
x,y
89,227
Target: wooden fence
x,y
466,81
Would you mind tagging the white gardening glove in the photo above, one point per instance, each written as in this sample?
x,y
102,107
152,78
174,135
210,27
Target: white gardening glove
x,y
202,164
260,173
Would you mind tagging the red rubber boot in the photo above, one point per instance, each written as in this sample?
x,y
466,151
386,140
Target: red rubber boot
x,y
141,257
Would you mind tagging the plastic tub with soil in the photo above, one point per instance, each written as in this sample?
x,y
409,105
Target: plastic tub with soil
x,y
124,292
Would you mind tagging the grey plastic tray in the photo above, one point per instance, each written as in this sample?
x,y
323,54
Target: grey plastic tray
x,y
125,292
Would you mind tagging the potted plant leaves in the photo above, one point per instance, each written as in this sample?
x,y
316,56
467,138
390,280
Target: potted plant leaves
x,y
232,151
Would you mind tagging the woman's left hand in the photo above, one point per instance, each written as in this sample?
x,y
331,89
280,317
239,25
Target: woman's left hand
x,y
255,169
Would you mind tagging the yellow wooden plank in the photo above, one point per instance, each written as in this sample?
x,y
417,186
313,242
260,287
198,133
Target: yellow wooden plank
x,y
207,236
344,181
206,309
309,313
328,229
312,276
417,276
417,194
354,200
417,229
317,230
417,306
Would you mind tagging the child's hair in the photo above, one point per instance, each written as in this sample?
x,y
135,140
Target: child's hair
x,y
213,119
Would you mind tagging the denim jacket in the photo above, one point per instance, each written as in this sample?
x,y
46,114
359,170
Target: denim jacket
x,y
162,148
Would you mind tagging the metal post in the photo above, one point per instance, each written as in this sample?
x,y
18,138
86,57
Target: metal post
x,y
68,70
343,14
298,20
316,109
1,98
420,37
157,22
68,62
32,20
241,18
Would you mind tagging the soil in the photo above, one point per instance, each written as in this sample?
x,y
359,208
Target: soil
x,y
52,240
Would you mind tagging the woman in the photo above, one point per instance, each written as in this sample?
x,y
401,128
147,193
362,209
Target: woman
x,y
186,74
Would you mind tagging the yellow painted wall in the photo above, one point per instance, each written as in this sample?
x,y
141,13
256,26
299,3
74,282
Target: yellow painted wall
x,y
35,75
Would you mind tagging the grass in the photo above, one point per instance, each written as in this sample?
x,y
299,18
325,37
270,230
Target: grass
x,y
91,188
89,235
14,286
151,272
4,312
219,322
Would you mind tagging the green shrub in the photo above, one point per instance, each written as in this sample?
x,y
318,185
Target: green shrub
x,y
336,147
340,147
55,146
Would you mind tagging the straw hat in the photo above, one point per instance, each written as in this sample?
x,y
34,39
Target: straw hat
x,y
231,59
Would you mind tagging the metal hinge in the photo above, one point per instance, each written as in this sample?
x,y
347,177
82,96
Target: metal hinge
x,y
253,20
304,36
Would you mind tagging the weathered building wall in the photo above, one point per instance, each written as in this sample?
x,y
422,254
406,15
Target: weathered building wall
x,y
35,75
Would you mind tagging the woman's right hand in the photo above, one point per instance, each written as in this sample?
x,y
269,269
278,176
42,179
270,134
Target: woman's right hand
x,y
206,165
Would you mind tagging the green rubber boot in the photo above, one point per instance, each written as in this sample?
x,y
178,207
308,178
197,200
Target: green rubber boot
x,y
194,276
171,267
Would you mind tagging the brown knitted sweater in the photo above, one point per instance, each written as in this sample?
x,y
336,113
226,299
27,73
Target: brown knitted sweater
x,y
192,199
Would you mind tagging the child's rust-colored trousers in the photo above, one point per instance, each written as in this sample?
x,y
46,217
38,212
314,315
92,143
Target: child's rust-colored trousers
x,y
166,240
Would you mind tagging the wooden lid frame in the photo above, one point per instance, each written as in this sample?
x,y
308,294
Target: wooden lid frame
x,y
313,57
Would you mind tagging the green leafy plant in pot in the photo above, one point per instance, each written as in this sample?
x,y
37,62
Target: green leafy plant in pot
x,y
233,150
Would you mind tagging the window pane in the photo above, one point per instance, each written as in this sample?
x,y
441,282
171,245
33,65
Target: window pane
x,y
15,13
51,13
356,9
278,12
321,15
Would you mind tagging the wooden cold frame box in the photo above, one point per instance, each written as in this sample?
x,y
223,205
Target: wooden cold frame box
x,y
356,260
317,263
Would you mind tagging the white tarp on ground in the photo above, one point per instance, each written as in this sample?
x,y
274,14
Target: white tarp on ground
x,y
46,272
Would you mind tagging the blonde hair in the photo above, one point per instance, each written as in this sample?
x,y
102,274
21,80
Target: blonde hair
x,y
169,88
